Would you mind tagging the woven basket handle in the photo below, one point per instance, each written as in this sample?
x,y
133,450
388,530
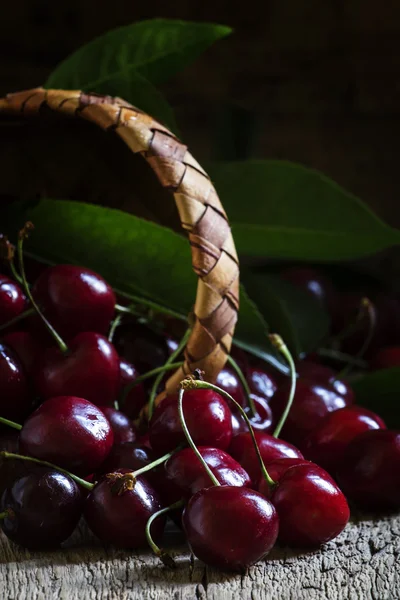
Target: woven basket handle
x,y
214,257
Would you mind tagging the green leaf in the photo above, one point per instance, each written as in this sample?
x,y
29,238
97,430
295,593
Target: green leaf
x,y
291,312
380,392
137,257
281,210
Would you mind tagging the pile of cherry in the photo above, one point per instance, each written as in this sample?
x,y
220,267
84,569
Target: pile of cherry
x,y
126,475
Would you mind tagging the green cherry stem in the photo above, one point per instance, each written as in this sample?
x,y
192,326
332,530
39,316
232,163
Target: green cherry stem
x,y
280,345
162,554
190,439
12,424
191,383
79,480
158,379
367,308
114,325
27,313
21,236
155,463
245,385
149,304
147,375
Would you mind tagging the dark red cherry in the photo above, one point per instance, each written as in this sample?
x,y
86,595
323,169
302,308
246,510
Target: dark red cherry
x,y
26,346
312,371
74,299
230,528
326,444
129,455
262,421
271,448
141,346
69,432
276,470
90,370
261,383
228,381
43,508
120,518
12,300
312,510
186,471
15,394
370,471
123,428
136,398
313,282
207,417
312,402
386,358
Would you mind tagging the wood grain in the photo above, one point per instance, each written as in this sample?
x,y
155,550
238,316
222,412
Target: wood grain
x,y
363,563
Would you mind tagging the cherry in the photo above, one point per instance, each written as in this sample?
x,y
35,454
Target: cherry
x,y
75,299
207,415
42,508
312,402
123,428
261,383
136,397
271,448
12,300
326,443
15,398
119,517
386,358
141,346
370,470
312,371
276,469
186,471
26,346
89,369
262,420
312,510
228,381
314,283
230,527
129,455
69,432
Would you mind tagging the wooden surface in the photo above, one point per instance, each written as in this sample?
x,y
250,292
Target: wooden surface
x,y
362,564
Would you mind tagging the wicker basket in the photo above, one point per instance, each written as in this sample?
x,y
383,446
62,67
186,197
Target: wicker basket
x,y
50,145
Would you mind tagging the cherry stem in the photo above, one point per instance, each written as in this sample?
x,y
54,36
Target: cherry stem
x,y
22,235
245,385
162,554
114,325
79,480
147,375
368,308
190,439
155,463
191,383
9,253
12,424
27,313
280,345
148,303
158,379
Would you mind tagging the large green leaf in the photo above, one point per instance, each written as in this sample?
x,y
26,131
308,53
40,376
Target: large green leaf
x,y
281,210
137,257
138,55
380,392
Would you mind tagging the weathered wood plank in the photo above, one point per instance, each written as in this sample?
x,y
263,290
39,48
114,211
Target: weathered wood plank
x,y
362,564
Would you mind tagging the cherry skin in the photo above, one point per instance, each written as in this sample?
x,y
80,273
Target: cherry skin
x,y
386,358
207,417
186,471
69,432
136,398
15,397
262,420
90,369
314,283
120,518
43,506
123,428
74,299
312,371
230,528
261,383
311,403
326,444
12,300
141,346
228,381
276,469
370,471
271,448
312,510
26,346
129,455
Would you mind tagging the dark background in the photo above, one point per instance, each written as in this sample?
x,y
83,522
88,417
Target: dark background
x,y
314,81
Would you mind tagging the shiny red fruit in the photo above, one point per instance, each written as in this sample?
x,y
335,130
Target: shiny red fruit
x,y
123,428
313,282
325,375
228,381
12,300
276,469
261,383
75,299
141,346
15,395
261,421
136,398
207,417
90,370
370,471
230,528
26,346
69,432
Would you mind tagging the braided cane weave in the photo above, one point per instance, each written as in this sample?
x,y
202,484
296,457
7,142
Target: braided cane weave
x,y
201,214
